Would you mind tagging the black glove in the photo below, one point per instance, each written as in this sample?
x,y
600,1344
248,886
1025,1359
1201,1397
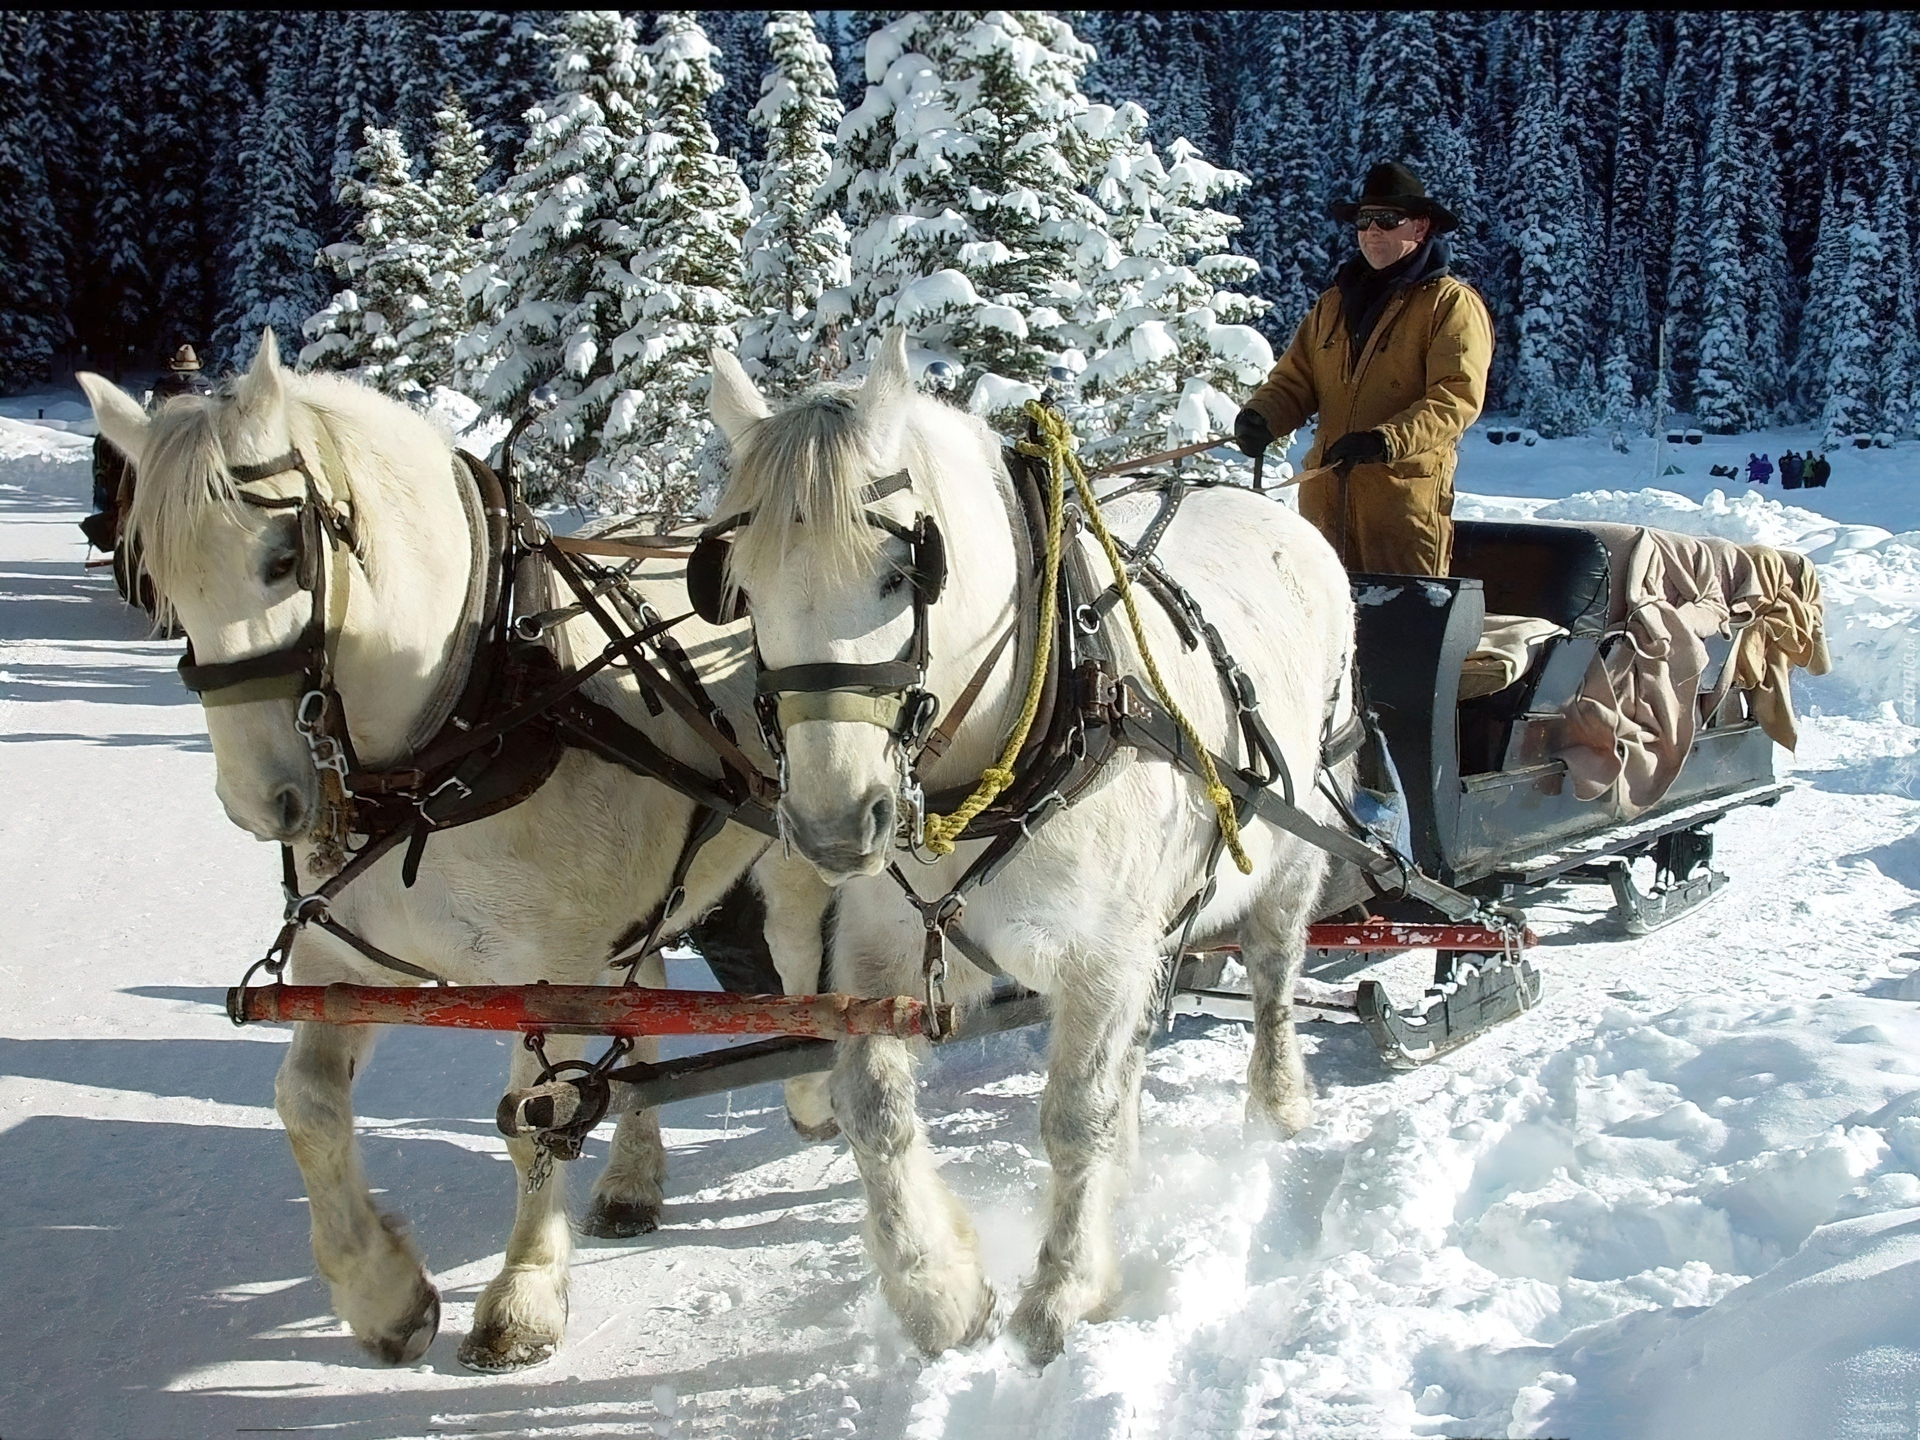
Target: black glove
x,y
1251,432
1360,447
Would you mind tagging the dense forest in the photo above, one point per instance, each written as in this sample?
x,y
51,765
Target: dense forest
x,y
1711,213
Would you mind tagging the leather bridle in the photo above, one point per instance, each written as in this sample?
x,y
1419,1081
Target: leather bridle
x,y
891,694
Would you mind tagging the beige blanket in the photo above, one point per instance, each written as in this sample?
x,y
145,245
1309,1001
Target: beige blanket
x,y
1630,729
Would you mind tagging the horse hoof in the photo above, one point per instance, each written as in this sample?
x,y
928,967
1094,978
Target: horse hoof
x,y
507,1350
409,1345
619,1219
814,1134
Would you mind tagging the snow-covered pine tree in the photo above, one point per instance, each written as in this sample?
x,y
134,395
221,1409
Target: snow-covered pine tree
x,y
1284,210
237,44
421,49
1399,90
1637,114
795,250
376,326
680,293
504,58
737,40
1808,376
180,241
959,176
1855,311
33,295
455,246
115,295
1685,288
1721,401
1546,216
1166,329
553,284
1853,348
274,281
352,67
1771,298
1893,219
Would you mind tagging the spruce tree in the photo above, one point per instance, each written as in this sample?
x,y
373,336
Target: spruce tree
x,y
33,298
679,235
737,39
116,291
1547,220
373,326
1720,401
181,239
1166,329
504,61
553,284
273,280
959,175
796,251
1285,225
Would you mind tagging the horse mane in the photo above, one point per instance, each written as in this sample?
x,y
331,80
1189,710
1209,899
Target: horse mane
x,y
184,473
805,466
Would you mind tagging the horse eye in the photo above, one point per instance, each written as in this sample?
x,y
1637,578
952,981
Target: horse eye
x,y
891,585
282,566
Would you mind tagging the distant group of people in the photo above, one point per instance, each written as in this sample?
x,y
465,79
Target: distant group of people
x,y
1796,471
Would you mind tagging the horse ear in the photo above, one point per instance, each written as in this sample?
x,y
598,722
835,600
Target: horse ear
x,y
735,401
890,375
261,384
117,413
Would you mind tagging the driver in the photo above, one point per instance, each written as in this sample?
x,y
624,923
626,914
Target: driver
x,y
1393,359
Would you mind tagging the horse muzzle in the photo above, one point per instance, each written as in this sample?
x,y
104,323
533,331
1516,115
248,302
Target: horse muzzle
x,y
855,840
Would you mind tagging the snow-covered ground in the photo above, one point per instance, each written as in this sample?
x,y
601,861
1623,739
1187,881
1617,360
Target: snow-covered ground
x,y
1682,1197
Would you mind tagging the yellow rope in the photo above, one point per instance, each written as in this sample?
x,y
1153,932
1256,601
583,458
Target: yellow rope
x,y
1057,446
941,831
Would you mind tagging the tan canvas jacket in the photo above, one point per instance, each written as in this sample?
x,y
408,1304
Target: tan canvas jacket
x,y
1420,380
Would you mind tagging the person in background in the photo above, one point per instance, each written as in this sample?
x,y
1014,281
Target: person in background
x,y
113,473
1818,472
1790,473
1393,358
181,377
1759,469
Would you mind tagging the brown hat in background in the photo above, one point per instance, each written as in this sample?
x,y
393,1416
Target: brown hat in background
x,y
184,359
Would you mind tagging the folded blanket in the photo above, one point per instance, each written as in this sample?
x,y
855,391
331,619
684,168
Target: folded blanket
x,y
1788,628
1505,652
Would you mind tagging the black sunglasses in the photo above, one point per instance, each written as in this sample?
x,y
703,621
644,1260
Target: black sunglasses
x,y
1380,220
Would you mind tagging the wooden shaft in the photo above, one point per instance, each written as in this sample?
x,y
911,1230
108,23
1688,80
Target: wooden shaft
x,y
586,1010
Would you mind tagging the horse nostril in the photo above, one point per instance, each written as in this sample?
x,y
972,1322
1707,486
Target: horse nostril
x,y
292,807
880,819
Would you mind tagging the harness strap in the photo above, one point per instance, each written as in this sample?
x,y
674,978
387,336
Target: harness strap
x,y
702,827
838,675
758,785
936,743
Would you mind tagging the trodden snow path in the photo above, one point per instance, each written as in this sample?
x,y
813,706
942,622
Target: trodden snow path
x,y
1680,1197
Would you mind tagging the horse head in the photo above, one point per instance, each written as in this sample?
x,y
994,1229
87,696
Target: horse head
x,y
259,508
840,513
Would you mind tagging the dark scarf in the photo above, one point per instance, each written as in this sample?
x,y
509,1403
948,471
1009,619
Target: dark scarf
x,y
1365,291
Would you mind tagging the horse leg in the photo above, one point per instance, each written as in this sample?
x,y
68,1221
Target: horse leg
x,y
522,1313
632,1185
1087,1116
1273,947
797,904
917,1233
379,1286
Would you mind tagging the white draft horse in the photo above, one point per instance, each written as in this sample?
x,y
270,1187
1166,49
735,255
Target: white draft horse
x,y
539,892
1082,914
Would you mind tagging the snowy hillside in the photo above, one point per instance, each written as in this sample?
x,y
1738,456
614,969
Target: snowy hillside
x,y
1680,1198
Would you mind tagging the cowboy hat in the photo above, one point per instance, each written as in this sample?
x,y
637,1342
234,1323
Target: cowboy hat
x,y
184,359
1391,185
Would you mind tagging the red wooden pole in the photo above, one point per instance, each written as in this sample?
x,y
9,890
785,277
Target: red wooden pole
x,y
587,1010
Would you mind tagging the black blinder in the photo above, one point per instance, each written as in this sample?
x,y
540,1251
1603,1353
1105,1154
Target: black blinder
x,y
929,561
707,584
312,547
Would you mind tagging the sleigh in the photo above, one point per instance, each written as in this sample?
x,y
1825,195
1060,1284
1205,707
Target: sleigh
x,y
1490,815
